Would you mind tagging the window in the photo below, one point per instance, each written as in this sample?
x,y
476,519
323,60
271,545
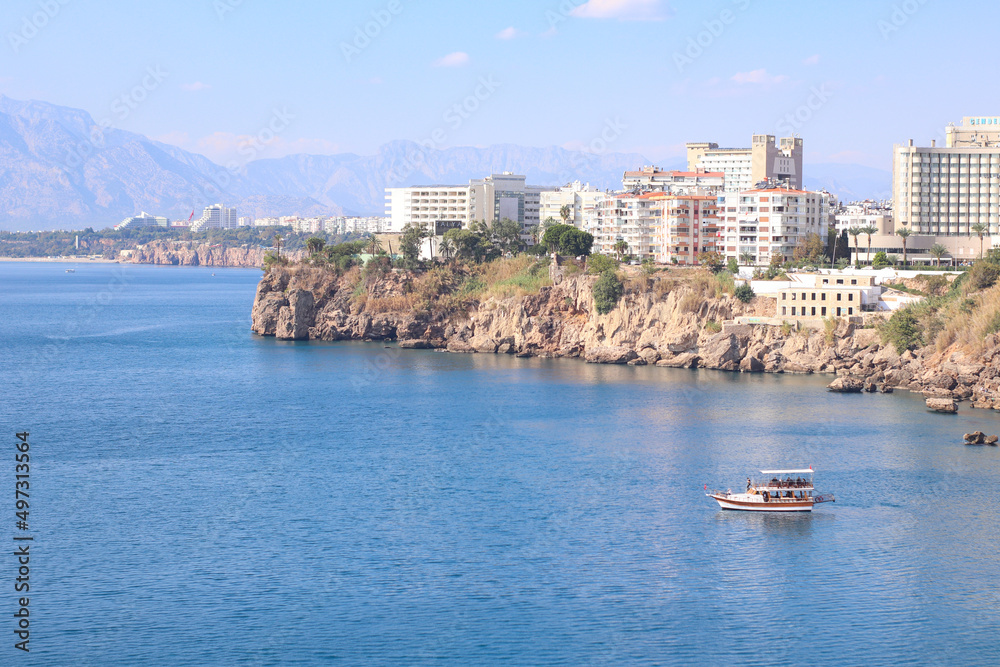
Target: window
x,y
793,296
793,311
784,310
850,311
854,282
803,296
826,281
814,310
824,311
840,281
840,297
814,296
838,312
784,296
850,297
823,297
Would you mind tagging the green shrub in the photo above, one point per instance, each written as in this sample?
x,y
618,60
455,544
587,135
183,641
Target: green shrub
x,y
983,275
607,291
599,264
713,327
902,330
733,266
744,293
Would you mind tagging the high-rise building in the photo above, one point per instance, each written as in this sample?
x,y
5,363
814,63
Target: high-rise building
x,y
945,191
216,217
653,179
427,205
744,168
689,227
772,221
632,218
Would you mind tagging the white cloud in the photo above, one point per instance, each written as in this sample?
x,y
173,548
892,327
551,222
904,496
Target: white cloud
x,y
457,59
759,76
509,33
624,10
195,87
811,60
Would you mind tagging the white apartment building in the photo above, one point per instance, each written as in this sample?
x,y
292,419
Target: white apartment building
x,y
245,221
767,222
744,168
507,195
634,219
863,214
216,217
427,205
944,191
576,196
143,220
653,179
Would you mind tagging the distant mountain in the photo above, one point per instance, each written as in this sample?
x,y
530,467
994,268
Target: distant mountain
x,y
58,170
850,182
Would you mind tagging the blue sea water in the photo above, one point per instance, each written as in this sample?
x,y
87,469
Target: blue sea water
x,y
203,496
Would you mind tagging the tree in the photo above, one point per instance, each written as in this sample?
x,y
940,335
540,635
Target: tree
x,y
621,248
711,260
315,245
744,293
607,291
881,260
747,258
868,230
467,244
981,229
505,236
277,243
575,242
565,212
409,244
447,248
599,264
552,234
938,251
374,246
904,233
855,232
809,248
733,265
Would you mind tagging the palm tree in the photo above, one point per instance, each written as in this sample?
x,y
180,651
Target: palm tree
x,y
374,246
869,230
747,258
315,244
904,233
855,232
620,248
938,251
447,248
277,243
982,229
564,213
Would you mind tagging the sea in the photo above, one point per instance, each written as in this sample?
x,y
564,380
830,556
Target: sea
x,y
200,495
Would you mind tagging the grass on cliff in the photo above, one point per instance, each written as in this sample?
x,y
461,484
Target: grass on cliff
x,y
963,316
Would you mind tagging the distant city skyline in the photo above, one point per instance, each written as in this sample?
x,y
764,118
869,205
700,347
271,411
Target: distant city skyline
x,y
238,80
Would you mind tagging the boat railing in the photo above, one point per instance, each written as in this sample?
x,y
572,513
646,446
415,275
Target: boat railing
x,y
783,484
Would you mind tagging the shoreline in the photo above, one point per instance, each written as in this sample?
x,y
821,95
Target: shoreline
x,y
63,260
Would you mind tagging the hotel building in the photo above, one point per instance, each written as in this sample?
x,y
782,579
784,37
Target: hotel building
x,y
577,196
216,217
427,205
744,168
944,191
652,179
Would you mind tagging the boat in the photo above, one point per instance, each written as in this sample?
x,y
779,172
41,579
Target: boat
x,y
70,270
776,491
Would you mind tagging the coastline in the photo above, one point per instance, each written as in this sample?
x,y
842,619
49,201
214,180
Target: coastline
x,y
62,260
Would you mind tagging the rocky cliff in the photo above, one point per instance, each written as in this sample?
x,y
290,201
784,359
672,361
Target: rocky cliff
x,y
678,328
188,253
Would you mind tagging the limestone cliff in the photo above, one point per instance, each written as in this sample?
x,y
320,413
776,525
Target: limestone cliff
x,y
676,328
188,253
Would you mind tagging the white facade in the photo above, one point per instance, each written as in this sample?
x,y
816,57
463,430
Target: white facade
x,y
653,179
766,159
863,214
575,195
634,219
216,217
772,221
945,191
143,220
426,205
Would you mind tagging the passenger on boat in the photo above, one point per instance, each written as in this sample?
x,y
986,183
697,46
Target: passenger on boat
x,y
749,485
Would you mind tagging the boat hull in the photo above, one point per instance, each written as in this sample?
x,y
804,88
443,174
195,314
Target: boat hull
x,y
758,505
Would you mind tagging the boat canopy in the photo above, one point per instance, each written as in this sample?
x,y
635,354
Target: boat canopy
x,y
786,472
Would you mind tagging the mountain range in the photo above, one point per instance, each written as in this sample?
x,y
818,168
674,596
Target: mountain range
x,y
59,169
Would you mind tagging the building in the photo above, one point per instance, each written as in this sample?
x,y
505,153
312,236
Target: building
x,y
426,205
216,217
946,191
576,196
864,214
245,221
744,168
496,197
653,179
830,295
632,218
143,220
689,226
766,222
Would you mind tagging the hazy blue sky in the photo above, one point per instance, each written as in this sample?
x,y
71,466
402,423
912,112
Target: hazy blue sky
x,y
555,73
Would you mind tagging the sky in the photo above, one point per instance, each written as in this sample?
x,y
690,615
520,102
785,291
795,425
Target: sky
x,y
221,77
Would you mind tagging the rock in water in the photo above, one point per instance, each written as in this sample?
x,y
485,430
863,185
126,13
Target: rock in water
x,y
846,385
976,438
944,405
992,440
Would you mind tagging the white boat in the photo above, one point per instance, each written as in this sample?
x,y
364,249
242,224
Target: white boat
x,y
70,270
776,491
